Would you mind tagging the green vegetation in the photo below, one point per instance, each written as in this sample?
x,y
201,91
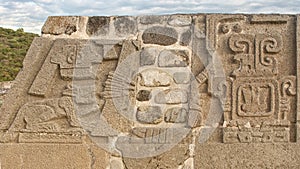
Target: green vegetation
x,y
13,48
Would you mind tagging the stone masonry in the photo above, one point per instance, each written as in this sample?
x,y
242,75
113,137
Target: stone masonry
x,y
179,91
4,88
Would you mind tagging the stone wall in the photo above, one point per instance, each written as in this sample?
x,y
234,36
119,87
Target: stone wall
x,y
172,91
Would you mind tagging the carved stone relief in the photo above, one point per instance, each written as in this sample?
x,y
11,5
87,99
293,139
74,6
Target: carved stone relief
x,y
161,91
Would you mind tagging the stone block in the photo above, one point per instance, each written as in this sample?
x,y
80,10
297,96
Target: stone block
x,y
148,56
49,156
149,114
185,38
176,115
151,19
180,20
173,58
125,25
58,25
155,78
181,77
98,25
159,35
172,96
247,156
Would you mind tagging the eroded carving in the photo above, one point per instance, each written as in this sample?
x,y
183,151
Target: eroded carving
x,y
162,81
176,115
52,115
256,54
288,88
260,97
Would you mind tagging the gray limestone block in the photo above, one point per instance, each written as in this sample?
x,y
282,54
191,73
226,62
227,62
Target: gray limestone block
x,y
181,77
57,25
125,25
148,56
98,25
173,58
151,19
176,115
143,95
149,114
160,35
172,96
180,20
185,38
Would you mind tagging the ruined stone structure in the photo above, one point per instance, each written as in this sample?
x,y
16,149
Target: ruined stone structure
x,y
4,88
175,91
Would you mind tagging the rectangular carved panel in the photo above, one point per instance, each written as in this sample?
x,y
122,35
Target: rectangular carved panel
x,y
256,52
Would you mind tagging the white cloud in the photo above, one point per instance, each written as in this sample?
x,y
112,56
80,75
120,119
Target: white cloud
x,y
31,15
27,15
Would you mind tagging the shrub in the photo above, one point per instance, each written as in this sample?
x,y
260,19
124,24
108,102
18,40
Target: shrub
x,y
13,48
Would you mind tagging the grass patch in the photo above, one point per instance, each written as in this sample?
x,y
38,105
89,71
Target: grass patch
x,y
13,48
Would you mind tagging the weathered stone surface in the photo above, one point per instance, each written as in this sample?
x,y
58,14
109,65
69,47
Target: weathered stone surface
x,y
180,20
176,115
247,156
46,156
185,38
149,114
172,96
151,19
170,159
176,91
4,88
57,25
173,58
116,163
143,95
148,56
97,25
125,25
160,35
152,78
182,77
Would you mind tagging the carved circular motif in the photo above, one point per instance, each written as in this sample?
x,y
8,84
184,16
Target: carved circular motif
x,y
142,101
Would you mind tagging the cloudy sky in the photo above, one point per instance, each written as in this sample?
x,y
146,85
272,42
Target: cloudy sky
x,y
31,15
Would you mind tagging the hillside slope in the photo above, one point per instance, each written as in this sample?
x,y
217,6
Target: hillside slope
x,y
13,48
